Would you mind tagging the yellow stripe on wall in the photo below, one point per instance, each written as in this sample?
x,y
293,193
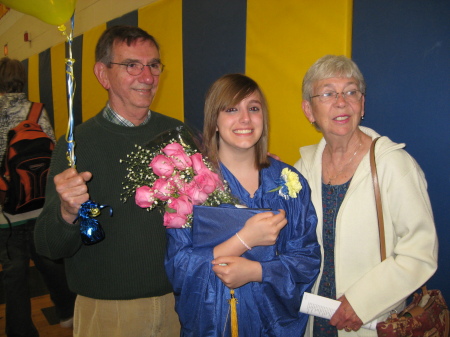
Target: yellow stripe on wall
x,y
59,89
94,96
163,20
33,79
284,38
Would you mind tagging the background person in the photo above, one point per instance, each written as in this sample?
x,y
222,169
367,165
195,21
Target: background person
x,y
338,170
16,242
268,292
121,283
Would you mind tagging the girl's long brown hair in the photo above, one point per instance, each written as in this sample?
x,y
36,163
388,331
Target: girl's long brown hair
x,y
226,92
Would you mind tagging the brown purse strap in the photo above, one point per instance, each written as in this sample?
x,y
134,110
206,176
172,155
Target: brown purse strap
x,y
376,188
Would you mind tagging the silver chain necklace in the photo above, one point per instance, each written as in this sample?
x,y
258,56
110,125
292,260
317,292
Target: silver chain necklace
x,y
343,168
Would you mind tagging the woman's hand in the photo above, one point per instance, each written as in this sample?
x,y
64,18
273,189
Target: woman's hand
x,y
274,156
262,229
345,317
236,271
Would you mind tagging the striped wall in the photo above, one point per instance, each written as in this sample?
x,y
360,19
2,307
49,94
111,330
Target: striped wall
x,y
273,42
402,48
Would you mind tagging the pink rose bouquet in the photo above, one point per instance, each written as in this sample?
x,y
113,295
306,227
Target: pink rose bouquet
x,y
172,175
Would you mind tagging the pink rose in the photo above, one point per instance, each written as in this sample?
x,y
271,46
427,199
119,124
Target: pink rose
x,y
162,189
207,181
201,169
144,196
162,166
182,205
217,180
174,220
178,183
195,193
197,163
179,158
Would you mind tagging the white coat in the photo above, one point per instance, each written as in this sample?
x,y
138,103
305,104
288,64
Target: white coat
x,y
372,287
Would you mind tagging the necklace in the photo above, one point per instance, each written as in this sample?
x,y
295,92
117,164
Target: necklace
x,y
343,167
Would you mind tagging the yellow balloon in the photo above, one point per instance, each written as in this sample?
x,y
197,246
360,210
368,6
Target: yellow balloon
x,y
54,12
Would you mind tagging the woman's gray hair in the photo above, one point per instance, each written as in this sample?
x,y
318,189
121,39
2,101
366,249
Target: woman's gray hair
x,y
331,66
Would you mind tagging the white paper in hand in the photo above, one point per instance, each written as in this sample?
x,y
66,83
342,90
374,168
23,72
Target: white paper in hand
x,y
325,308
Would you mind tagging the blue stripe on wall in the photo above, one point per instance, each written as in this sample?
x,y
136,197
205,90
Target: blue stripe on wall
x,y
45,79
214,35
130,19
403,49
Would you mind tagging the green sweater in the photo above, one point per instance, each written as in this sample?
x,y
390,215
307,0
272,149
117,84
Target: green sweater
x,y
129,262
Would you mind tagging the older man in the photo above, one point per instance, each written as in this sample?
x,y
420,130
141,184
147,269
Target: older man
x,y
121,282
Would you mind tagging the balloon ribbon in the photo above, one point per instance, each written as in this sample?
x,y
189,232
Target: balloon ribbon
x,y
90,229
71,85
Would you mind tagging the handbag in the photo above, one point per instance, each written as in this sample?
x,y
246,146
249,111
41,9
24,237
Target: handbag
x,y
428,314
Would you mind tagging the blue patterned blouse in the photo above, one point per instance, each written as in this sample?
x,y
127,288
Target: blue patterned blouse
x,y
332,197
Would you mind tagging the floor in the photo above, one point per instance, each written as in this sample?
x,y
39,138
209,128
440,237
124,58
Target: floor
x,y
40,321
44,316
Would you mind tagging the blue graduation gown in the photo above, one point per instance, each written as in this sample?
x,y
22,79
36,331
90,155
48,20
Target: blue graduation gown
x,y
267,308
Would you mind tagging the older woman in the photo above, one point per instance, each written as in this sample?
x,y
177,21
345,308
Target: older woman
x,y
338,170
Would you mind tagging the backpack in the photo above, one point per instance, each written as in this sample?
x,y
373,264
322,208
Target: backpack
x,y
26,165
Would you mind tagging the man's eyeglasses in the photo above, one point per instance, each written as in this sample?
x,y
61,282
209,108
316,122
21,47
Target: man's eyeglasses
x,y
136,68
351,96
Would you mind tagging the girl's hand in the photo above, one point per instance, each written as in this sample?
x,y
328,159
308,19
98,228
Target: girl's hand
x,y
236,271
262,229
